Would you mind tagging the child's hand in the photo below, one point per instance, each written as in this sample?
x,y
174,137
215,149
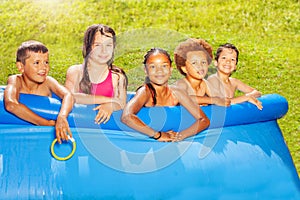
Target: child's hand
x,y
62,129
167,136
256,102
176,136
221,101
104,112
51,123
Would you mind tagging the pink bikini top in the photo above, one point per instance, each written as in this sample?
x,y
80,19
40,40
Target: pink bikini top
x,y
105,88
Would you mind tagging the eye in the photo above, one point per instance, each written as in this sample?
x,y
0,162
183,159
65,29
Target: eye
x,y
223,57
36,62
233,59
204,62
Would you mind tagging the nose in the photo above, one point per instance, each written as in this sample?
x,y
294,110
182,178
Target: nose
x,y
159,68
44,65
228,60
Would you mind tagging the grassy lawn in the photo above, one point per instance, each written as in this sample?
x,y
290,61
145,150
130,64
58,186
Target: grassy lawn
x,y
265,31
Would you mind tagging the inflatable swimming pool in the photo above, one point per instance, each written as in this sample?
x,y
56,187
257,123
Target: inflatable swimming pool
x,y
242,155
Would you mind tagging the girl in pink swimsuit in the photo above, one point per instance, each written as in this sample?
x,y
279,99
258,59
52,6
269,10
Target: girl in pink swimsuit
x,y
97,80
157,92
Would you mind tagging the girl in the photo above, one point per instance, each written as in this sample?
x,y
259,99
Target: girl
x,y
192,58
157,92
224,85
97,80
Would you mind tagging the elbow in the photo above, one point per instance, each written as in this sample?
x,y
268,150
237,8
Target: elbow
x,y
125,119
206,122
11,106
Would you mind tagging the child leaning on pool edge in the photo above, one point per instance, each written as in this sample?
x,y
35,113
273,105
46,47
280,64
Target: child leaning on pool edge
x,y
33,63
97,80
192,58
157,92
225,86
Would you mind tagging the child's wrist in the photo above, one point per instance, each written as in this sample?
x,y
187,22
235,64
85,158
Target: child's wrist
x,y
156,135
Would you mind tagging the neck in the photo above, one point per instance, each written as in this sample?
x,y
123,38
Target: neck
x,y
223,77
29,86
98,73
195,83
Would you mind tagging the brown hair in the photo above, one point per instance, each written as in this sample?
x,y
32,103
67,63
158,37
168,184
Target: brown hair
x,y
89,37
26,47
189,45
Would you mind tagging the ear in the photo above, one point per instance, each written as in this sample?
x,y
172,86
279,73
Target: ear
x,y
184,69
216,63
145,70
20,66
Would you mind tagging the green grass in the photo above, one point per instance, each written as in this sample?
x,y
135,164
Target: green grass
x,y
265,32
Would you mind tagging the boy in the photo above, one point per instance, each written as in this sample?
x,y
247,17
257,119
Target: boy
x,y
225,86
192,58
33,63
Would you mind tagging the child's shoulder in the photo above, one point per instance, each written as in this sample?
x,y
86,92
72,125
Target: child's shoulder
x,y
212,77
14,78
77,67
181,83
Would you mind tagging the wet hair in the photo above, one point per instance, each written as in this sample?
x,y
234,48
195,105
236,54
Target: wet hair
x,y
29,46
227,46
147,80
191,44
89,37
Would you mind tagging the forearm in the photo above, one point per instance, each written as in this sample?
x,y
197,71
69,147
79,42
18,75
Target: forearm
x,y
195,128
134,122
66,105
239,99
23,112
254,93
204,100
82,98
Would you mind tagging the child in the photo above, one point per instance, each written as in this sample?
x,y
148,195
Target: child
x,y
225,86
33,63
97,80
192,58
157,92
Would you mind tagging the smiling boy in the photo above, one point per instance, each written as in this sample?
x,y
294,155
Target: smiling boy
x,y
33,63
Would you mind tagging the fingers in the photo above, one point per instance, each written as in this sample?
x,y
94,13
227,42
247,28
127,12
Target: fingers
x,y
102,117
62,130
259,105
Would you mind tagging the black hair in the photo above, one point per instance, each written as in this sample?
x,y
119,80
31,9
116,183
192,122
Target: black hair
x,y
227,46
147,80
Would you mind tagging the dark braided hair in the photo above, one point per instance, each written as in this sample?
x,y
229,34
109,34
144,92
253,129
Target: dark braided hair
x,y
147,80
89,37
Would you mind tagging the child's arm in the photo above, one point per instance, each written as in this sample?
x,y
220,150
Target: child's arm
x,y
210,99
201,122
72,83
117,102
130,118
12,104
62,126
250,94
204,100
